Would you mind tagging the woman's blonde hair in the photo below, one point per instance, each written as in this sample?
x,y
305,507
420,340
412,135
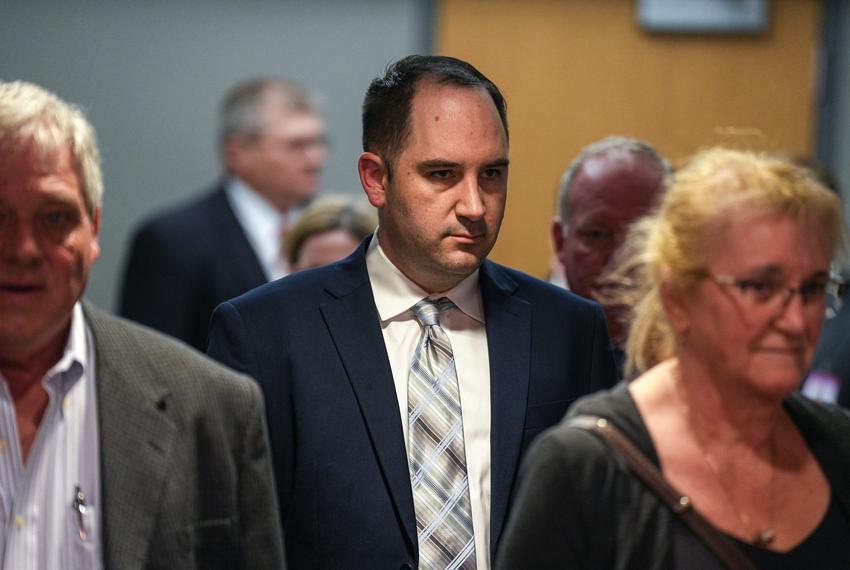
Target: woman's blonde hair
x,y
327,214
670,245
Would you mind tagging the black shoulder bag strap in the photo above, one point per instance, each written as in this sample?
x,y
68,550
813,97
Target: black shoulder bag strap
x,y
680,504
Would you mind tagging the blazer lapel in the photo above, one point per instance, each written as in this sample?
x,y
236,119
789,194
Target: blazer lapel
x,y
136,436
353,322
508,326
244,266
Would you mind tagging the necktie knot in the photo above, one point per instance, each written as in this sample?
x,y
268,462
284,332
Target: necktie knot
x,y
427,311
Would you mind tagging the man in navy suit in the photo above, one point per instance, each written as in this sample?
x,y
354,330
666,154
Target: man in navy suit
x,y
332,348
184,262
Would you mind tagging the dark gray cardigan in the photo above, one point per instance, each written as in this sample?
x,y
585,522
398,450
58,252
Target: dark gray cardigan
x,y
578,505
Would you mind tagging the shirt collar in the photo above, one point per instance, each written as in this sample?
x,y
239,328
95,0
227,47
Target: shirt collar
x,y
75,358
395,294
260,220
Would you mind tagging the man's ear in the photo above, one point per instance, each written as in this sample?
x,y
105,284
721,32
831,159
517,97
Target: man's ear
x,y
557,235
232,152
374,177
95,226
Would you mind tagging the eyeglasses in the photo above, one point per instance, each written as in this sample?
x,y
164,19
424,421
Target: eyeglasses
x,y
299,145
770,295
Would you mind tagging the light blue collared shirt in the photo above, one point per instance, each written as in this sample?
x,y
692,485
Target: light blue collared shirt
x,y
42,526
263,225
394,295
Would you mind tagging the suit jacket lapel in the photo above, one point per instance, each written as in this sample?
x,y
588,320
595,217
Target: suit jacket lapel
x,y
136,436
234,247
508,325
353,322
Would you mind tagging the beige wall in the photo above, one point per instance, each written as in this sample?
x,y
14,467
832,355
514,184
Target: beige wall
x,y
574,71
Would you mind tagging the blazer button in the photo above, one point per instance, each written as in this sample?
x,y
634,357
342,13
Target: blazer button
x,y
405,567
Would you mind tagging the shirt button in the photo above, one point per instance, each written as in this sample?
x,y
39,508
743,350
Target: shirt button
x,y
2,444
19,521
66,403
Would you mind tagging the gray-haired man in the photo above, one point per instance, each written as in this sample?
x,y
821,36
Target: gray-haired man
x,y
119,447
184,262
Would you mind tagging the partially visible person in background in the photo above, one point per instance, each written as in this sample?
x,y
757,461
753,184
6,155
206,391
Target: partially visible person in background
x,y
738,283
609,185
184,262
329,229
119,447
829,378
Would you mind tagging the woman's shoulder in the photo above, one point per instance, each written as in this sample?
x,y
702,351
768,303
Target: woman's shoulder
x,y
617,406
809,415
569,445
616,401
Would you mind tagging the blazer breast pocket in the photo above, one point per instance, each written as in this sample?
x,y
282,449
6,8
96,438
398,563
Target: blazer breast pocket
x,y
212,543
538,417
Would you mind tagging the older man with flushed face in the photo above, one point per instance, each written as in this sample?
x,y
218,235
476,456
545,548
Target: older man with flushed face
x,y
608,186
49,240
405,383
104,426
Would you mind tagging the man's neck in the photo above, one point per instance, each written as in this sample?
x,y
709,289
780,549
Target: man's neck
x,y
30,400
280,204
24,380
24,370
23,366
430,283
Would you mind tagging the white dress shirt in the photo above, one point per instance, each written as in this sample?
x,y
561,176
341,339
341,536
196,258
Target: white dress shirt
x,y
263,225
43,528
395,294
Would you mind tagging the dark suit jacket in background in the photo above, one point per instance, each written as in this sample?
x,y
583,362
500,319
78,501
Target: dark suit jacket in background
x,y
313,341
183,263
185,467
833,352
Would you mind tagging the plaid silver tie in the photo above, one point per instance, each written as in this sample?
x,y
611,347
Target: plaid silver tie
x,y
437,457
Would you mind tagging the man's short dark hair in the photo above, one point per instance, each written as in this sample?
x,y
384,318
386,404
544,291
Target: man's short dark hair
x,y
386,108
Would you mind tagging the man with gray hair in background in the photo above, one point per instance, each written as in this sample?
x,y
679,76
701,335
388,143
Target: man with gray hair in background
x,y
184,262
609,185
119,447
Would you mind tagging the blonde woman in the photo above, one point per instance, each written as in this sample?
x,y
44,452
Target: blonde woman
x,y
736,268
328,230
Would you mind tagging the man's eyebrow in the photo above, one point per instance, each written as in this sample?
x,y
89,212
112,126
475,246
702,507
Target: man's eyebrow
x,y
437,163
819,274
499,163
441,163
62,201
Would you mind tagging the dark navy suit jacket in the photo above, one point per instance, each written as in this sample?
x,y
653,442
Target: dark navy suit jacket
x,y
314,343
184,263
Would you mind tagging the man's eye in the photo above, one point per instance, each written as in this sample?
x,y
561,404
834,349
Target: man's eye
x,y
491,173
56,219
441,174
595,235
